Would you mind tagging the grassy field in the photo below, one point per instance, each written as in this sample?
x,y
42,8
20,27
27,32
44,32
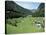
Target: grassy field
x,y
25,25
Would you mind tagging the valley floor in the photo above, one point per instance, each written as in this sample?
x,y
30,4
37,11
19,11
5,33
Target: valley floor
x,y
25,25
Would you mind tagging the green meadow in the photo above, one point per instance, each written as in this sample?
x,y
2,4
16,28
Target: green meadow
x,y
26,24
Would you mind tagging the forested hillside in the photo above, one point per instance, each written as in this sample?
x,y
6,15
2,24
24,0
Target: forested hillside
x,y
40,11
14,10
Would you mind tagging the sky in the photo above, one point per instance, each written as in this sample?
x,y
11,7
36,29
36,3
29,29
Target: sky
x,y
28,5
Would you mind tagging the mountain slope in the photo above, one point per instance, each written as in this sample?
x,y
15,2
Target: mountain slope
x,y
40,11
18,10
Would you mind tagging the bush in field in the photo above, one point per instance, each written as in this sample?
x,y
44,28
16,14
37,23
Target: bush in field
x,y
12,22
